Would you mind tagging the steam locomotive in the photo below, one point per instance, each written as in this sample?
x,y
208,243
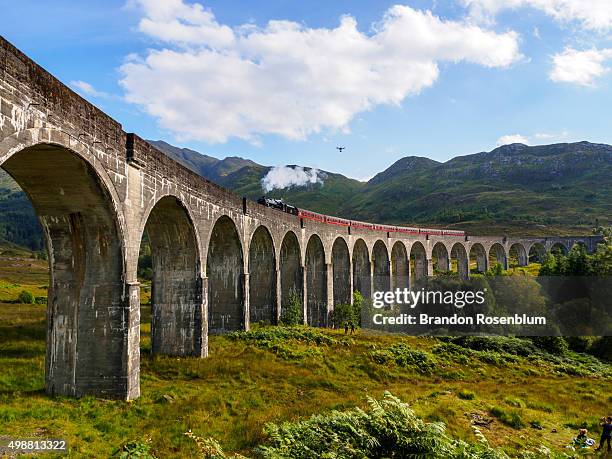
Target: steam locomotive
x,y
321,218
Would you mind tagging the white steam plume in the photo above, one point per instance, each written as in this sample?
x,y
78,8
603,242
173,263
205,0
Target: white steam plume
x,y
280,177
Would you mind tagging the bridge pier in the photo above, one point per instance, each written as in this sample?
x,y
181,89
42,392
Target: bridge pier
x,y
246,305
329,267
279,296
430,267
305,293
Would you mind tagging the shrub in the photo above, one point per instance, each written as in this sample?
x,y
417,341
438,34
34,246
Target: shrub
x,y
282,340
515,346
292,313
343,313
516,402
512,419
134,449
404,356
552,344
388,429
466,394
26,297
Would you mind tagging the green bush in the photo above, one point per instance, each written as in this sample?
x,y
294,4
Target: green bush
x,y
404,356
287,342
343,313
388,429
512,418
134,449
516,402
466,394
552,344
292,313
26,297
515,346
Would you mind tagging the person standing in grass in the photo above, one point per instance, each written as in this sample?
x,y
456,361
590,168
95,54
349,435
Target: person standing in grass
x,y
606,432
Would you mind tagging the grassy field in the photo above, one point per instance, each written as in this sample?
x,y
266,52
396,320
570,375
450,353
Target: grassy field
x,y
247,382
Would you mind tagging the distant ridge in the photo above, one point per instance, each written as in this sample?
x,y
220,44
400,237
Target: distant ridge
x,y
547,189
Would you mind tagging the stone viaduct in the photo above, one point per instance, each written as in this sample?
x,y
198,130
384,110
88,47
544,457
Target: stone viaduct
x,y
220,262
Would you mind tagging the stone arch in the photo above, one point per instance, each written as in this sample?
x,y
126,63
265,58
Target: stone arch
x,y
341,264
557,248
400,266
262,277
381,267
440,258
418,261
79,211
225,272
290,266
460,260
517,255
497,254
362,273
316,283
177,313
537,252
479,261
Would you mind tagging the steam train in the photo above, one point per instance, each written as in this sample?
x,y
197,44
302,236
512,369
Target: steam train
x,y
321,218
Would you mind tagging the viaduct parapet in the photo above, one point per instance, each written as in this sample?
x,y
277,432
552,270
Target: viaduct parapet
x,y
219,262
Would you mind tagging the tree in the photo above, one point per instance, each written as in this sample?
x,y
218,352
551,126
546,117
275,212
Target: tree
x,y
292,313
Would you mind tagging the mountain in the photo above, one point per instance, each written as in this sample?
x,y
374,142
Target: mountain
x,y
548,189
244,177
543,189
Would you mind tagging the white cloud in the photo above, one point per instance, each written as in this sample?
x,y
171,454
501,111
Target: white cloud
x,y
286,177
580,67
212,82
593,15
176,22
512,138
539,138
87,89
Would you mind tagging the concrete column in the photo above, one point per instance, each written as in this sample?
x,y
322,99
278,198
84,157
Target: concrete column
x,y
279,296
429,267
305,294
330,289
444,263
371,279
246,305
392,281
203,345
482,263
131,355
463,267
351,279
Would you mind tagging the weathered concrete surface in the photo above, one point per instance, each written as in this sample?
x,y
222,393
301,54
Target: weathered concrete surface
x,y
97,189
176,299
224,266
262,277
341,261
362,271
316,283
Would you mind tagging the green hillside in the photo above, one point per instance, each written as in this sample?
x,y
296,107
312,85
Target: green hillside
x,y
549,189
512,188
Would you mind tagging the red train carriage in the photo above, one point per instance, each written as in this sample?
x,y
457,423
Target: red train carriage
x,y
362,225
406,230
308,215
337,221
321,218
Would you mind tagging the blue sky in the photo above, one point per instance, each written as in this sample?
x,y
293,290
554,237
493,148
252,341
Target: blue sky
x,y
384,79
